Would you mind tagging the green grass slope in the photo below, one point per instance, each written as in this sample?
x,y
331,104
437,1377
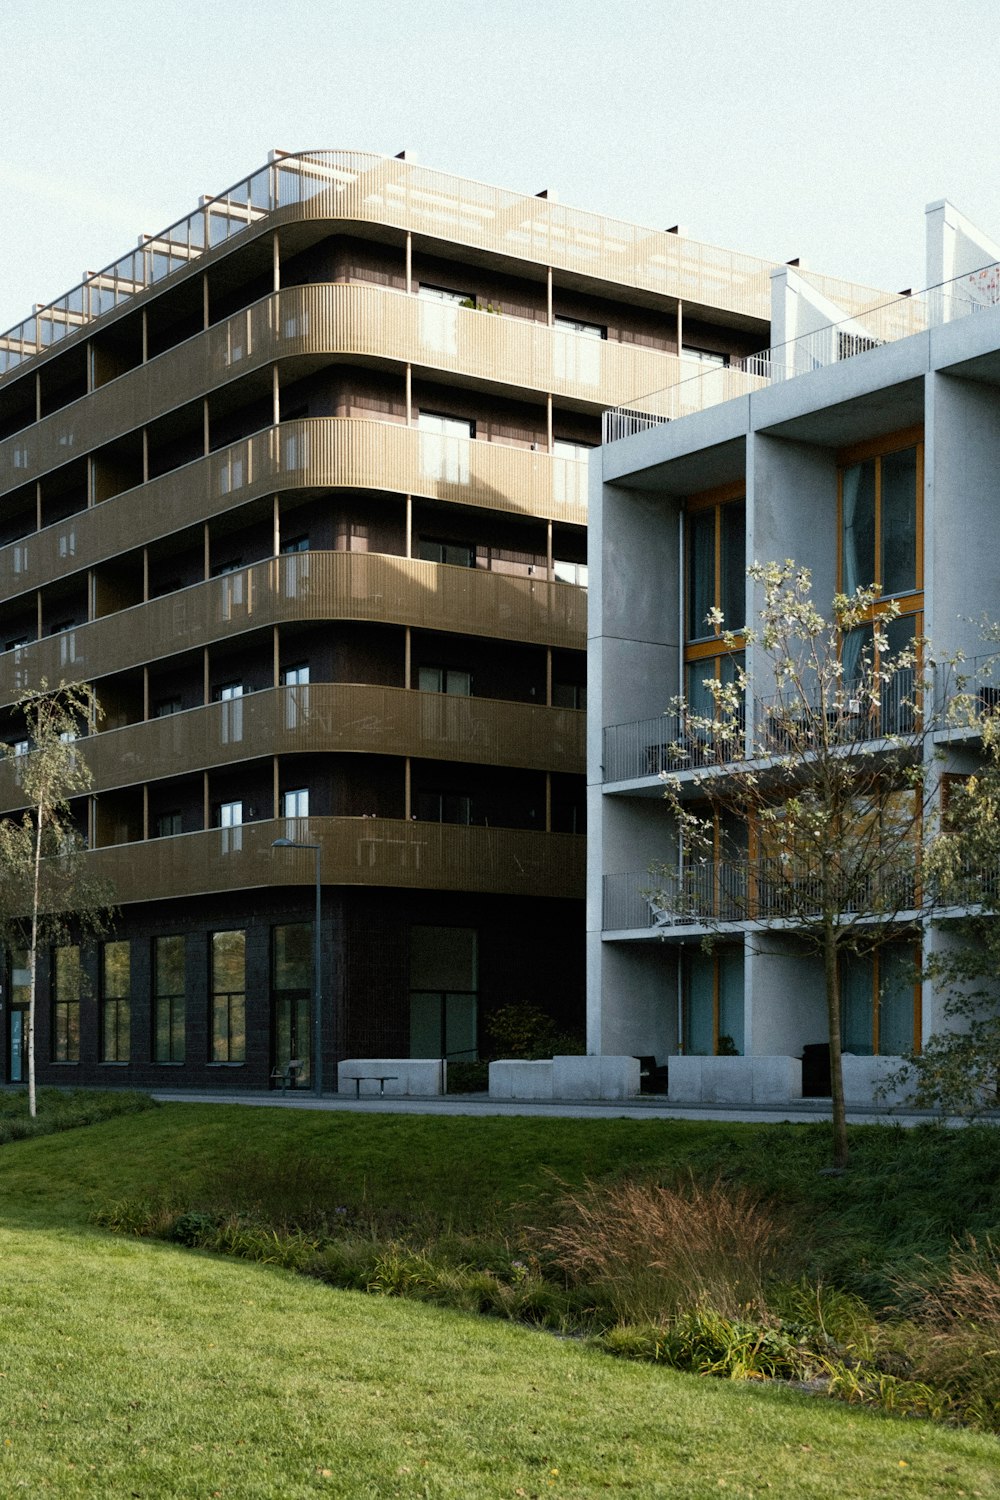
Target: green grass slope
x,y
137,1369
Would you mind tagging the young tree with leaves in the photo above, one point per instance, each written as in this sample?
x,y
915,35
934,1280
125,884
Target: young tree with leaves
x,y
958,1069
808,808
46,890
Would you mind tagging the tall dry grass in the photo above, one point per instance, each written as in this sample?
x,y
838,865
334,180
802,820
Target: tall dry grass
x,y
956,1342
653,1252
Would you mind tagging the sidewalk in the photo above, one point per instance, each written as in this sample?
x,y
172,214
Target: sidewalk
x,y
647,1107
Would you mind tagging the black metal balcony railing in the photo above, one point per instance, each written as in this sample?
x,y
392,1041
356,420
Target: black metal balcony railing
x,y
763,890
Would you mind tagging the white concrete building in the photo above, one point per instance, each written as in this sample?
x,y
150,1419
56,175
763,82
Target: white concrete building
x,y
890,417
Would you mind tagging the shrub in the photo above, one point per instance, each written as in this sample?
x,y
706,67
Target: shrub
x,y
657,1251
522,1030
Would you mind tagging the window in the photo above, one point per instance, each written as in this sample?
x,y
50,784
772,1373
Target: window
x,y
570,572
455,554
66,981
229,815
716,566
444,426
562,448
227,691
569,695
880,522
21,747
17,643
19,978
59,627
167,706
715,537
880,1001
116,1009
444,447
709,357
168,999
229,999
295,803
446,294
444,680
713,1006
444,999
169,824
577,325
444,807
232,566
296,544
297,676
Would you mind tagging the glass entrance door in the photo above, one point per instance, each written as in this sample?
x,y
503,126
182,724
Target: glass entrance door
x,y
291,1035
18,1056
291,1001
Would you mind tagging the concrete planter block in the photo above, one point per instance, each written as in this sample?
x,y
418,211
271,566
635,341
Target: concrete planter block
x,y
684,1080
513,1078
595,1077
726,1080
776,1080
863,1076
405,1077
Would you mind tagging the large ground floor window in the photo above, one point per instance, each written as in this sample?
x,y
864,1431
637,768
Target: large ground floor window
x,y
712,1002
168,999
229,997
66,981
880,1001
444,993
116,1008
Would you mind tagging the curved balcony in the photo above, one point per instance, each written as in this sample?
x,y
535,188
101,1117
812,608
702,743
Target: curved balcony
x,y
355,851
323,452
363,188
330,717
348,321
305,586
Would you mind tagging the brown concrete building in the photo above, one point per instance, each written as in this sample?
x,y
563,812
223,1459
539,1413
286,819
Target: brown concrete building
x,y
300,486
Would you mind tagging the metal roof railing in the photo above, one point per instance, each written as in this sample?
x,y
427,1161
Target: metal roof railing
x,y
357,185
975,292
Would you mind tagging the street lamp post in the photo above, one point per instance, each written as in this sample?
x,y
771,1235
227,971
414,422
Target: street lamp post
x,y
317,1060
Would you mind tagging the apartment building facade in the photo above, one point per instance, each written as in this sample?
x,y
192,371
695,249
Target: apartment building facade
x,y
866,448
299,485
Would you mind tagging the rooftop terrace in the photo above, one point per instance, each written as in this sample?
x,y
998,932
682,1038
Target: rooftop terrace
x,y
362,186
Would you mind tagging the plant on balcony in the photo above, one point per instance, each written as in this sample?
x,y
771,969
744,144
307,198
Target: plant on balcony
x,y
48,897
811,812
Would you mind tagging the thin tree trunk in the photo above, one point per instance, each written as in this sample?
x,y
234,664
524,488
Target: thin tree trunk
x,y
33,968
832,975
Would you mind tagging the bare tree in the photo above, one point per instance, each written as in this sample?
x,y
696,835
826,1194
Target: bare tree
x,y
808,808
46,890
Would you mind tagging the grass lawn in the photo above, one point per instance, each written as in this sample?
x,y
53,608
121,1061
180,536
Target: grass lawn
x,y
135,1368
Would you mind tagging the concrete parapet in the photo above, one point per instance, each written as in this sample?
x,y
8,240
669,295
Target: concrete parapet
x,y
514,1078
402,1076
595,1077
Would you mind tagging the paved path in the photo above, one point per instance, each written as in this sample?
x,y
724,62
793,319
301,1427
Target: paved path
x,y
645,1108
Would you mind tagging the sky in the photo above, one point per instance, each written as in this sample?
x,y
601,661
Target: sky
x,y
810,128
